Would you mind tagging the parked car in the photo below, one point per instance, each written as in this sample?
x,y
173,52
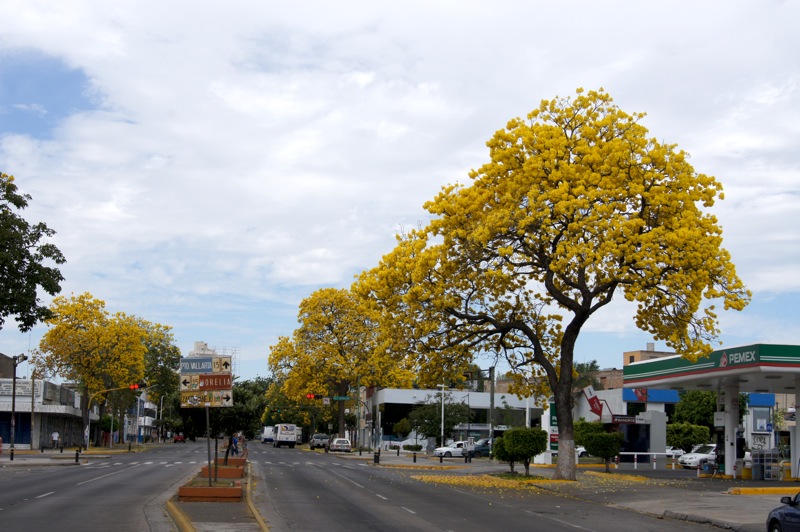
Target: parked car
x,y
179,438
318,441
341,445
456,448
483,447
580,449
674,452
785,517
699,456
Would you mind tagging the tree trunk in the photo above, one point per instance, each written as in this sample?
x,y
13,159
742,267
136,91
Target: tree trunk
x,y
85,418
562,393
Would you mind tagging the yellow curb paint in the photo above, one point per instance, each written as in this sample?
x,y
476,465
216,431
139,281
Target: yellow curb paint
x,y
179,518
248,498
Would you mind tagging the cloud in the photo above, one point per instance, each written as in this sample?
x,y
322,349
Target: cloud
x,y
212,166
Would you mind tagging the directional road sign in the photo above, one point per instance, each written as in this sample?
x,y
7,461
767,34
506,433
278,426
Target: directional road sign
x,y
190,365
202,399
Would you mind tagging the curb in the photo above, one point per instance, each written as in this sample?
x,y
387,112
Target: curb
x,y
178,517
249,500
790,491
184,524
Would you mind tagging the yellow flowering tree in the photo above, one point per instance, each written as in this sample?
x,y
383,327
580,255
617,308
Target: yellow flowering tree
x,y
576,205
335,348
90,347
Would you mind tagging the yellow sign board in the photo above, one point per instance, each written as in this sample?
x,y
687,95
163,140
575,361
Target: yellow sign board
x,y
211,398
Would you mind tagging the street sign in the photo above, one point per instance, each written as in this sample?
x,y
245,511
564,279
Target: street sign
x,y
215,381
340,398
206,381
192,365
202,399
190,382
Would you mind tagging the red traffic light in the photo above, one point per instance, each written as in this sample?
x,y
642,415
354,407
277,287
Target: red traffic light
x,y
310,396
134,386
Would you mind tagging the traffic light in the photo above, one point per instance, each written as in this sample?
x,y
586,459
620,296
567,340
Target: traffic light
x,y
310,396
137,385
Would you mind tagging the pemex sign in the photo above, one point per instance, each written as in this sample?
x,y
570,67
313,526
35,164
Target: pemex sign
x,y
206,381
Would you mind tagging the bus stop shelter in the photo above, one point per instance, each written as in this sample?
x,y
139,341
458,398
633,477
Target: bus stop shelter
x,y
757,368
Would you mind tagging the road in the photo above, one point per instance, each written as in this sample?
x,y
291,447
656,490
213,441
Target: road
x,y
318,491
125,492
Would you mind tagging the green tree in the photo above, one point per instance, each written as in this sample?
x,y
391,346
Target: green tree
x,y
426,417
24,257
501,453
697,408
523,444
605,445
161,360
687,435
576,205
585,428
402,428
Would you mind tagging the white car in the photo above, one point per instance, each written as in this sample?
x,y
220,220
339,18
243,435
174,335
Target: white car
x,y
454,449
695,459
674,452
341,445
581,450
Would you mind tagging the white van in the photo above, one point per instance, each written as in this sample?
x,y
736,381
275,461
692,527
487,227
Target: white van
x,y
266,434
284,434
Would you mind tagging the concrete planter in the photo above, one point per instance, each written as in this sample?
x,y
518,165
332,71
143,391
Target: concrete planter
x,y
211,493
221,471
232,461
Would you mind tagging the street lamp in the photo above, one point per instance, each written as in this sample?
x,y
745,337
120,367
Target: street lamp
x,y
19,359
442,386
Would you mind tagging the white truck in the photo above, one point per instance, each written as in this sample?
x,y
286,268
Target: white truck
x,y
284,434
266,434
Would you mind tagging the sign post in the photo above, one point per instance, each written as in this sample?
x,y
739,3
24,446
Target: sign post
x,y
206,382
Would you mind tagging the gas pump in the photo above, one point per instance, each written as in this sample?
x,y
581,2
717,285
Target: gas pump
x,y
720,450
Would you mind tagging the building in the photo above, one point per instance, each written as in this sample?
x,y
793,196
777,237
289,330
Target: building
x,y
55,408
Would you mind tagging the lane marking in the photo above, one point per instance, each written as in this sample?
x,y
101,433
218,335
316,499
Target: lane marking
x,y
107,475
551,518
45,494
409,510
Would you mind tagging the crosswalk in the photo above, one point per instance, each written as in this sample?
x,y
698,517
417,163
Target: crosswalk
x,y
164,463
167,463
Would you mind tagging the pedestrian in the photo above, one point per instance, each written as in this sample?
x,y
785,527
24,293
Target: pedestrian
x,y
55,437
234,446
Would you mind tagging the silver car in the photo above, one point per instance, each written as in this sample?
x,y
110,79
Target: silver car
x,y
341,445
699,456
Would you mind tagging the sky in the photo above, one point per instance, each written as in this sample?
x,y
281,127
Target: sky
x,y
209,165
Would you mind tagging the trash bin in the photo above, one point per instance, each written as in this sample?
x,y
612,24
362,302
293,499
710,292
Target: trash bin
x,y
758,471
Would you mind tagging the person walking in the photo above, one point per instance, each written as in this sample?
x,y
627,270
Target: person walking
x,y
234,446
55,437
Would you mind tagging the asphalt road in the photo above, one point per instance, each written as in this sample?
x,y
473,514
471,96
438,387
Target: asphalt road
x,y
124,492
317,491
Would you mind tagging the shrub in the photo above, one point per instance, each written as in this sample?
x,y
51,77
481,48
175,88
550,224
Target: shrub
x,y
605,445
521,445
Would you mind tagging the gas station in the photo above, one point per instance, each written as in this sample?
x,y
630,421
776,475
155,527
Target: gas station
x,y
757,368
